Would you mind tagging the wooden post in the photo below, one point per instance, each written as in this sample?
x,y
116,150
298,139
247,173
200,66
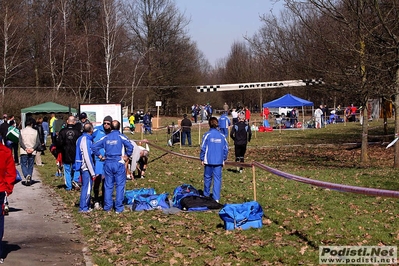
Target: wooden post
x,y
199,134
254,181
157,117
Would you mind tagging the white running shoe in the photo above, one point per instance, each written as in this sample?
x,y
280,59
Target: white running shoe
x,y
97,206
28,180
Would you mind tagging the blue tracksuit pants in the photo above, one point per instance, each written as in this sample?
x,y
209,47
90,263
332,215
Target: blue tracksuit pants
x,y
84,204
216,172
69,175
114,175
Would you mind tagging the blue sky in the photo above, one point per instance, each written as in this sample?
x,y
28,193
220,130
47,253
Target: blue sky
x,y
216,24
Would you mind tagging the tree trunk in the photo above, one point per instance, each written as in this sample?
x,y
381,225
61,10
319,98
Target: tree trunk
x,y
396,103
364,154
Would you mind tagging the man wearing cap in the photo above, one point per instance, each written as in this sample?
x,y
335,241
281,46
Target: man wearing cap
x,y
117,150
82,121
186,130
99,132
241,134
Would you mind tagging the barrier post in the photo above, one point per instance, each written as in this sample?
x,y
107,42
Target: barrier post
x,y
254,181
199,134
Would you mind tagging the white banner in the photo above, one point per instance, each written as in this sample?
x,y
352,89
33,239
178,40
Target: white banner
x,y
259,85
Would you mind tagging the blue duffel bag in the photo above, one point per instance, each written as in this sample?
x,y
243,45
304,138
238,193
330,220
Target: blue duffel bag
x,y
150,202
130,195
244,216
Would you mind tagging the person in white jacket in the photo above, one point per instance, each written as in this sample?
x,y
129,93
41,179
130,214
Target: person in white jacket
x,y
138,160
29,141
317,115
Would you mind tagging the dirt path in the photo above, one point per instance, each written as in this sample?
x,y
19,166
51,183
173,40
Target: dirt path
x,y
38,231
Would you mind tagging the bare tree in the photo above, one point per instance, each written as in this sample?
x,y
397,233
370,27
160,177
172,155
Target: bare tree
x,y
58,42
11,39
157,26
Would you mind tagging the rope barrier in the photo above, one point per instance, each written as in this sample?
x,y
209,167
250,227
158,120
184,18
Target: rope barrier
x,y
305,180
329,185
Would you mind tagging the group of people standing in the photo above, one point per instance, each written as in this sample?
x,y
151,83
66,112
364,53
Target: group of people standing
x,y
204,112
91,157
96,155
146,119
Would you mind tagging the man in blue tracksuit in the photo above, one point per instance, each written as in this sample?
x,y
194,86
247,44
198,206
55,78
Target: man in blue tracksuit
x,y
99,132
224,123
214,151
117,149
85,164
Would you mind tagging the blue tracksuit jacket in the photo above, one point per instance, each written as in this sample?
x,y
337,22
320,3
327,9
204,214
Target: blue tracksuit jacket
x,y
113,144
214,148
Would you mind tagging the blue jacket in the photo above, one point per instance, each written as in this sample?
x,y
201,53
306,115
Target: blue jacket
x,y
224,121
84,154
98,133
214,148
115,146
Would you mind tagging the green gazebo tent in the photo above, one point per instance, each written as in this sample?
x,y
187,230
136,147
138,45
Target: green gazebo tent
x,y
48,107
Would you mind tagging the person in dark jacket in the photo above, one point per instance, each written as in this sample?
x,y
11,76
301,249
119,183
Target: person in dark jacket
x,y
83,120
241,134
66,144
214,151
40,151
186,130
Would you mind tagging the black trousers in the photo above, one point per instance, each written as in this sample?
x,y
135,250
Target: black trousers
x,y
240,151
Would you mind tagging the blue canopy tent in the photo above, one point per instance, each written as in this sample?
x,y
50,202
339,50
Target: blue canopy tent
x,y
289,100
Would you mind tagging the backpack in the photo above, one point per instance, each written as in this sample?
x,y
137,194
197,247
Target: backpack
x,y
181,192
13,134
150,202
199,203
130,195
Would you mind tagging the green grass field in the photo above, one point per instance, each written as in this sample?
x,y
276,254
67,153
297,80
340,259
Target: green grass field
x,y
298,217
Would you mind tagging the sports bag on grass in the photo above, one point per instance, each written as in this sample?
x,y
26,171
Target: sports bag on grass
x,y
182,191
244,216
150,202
130,195
199,203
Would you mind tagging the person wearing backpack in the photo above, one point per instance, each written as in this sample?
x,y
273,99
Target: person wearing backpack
x,y
66,143
241,134
214,151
